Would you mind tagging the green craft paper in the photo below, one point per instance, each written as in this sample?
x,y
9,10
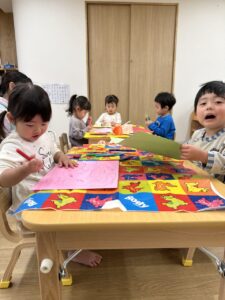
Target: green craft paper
x,y
153,143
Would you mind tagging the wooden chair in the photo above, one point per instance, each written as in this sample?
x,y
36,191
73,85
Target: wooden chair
x,y
187,259
64,143
22,238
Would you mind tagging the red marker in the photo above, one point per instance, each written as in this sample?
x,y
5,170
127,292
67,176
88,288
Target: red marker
x,y
23,154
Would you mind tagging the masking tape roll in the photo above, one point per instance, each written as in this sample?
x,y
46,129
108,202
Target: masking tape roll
x,y
46,265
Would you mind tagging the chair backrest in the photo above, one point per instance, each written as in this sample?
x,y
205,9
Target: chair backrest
x,y
5,203
64,143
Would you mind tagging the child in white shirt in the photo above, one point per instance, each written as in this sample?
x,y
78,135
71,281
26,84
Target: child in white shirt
x,y
29,109
111,117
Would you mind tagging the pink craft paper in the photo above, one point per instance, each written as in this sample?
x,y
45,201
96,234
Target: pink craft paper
x,y
87,175
104,130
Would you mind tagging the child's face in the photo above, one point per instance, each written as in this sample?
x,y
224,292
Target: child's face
x,y
80,113
32,130
159,110
211,111
111,108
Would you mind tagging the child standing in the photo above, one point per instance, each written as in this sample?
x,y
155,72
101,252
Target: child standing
x,y
77,110
111,117
29,109
207,145
164,124
9,81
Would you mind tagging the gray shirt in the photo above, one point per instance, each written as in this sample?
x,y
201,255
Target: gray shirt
x,y
77,129
215,146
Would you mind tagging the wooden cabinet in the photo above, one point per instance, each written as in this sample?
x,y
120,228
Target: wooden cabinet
x,y
194,123
7,40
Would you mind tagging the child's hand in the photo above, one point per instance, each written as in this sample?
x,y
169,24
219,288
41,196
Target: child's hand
x,y
190,152
148,122
64,161
89,121
113,123
34,165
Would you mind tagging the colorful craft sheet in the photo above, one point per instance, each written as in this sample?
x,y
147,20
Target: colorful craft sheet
x,y
147,182
87,175
154,144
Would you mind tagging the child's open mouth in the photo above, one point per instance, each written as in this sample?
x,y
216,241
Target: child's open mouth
x,y
210,117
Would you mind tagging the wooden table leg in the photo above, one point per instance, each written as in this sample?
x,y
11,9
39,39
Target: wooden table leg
x,y
222,285
50,286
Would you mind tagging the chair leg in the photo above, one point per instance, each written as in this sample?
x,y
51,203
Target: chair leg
x,y
187,261
221,295
6,280
67,278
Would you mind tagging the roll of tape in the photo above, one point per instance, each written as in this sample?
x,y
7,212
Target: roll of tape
x,y
46,265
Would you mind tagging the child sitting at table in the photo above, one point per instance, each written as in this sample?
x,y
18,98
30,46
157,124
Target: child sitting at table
x,y
9,80
207,145
111,117
27,154
77,110
164,124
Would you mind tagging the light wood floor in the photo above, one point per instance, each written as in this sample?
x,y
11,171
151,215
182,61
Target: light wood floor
x,y
123,275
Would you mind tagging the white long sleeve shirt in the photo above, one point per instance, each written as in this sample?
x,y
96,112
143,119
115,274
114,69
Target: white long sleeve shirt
x,y
44,149
106,119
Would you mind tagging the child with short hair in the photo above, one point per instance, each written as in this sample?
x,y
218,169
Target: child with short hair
x,y
111,117
79,106
164,124
207,145
9,80
30,110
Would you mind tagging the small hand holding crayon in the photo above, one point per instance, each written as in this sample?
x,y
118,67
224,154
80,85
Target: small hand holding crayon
x,y
33,165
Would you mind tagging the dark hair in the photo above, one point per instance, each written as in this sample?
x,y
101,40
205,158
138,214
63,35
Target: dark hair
x,y
25,102
165,99
28,100
215,87
111,99
78,101
2,132
12,76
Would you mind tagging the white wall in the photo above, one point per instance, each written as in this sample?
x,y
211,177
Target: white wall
x,y
51,48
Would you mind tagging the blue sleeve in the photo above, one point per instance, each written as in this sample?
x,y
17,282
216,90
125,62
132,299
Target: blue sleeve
x,y
163,127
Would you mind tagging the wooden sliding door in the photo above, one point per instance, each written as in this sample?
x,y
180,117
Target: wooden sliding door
x,y
108,59
151,57
130,54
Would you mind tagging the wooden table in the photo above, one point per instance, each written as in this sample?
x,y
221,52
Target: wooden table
x,y
95,138
68,230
